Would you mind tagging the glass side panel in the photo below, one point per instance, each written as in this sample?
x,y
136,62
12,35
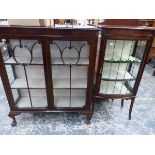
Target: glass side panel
x,y
24,65
69,63
121,65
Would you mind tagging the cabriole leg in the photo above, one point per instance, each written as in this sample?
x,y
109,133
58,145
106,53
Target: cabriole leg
x,y
122,103
12,115
131,106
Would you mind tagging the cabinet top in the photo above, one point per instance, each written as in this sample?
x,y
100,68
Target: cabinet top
x,y
128,24
76,31
61,27
126,27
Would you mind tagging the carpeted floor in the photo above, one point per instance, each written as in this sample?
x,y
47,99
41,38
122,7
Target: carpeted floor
x,y
108,118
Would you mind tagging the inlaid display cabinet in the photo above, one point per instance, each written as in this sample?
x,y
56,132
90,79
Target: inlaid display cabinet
x,y
122,58
45,69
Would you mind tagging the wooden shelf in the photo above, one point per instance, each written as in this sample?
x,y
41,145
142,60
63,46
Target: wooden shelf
x,y
116,76
111,87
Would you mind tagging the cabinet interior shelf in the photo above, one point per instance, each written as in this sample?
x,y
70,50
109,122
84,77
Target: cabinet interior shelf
x,y
57,83
84,61
121,59
117,76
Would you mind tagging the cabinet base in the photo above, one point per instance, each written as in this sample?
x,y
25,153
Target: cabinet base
x,y
13,115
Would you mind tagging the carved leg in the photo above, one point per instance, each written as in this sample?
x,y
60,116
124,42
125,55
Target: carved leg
x,y
153,73
88,119
122,103
131,106
12,115
14,122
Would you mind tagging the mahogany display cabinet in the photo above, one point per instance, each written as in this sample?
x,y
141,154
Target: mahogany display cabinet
x,y
45,69
122,58
52,69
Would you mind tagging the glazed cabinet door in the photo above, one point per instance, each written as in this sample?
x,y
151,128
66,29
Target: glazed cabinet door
x,y
70,68
25,68
121,66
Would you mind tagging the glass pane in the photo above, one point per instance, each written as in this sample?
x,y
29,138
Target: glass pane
x,y
25,71
120,69
22,49
70,60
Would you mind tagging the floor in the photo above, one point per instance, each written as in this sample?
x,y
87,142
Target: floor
x,y
108,118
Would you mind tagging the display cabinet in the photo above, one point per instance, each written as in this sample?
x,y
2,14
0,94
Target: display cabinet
x,y
122,58
55,69
48,69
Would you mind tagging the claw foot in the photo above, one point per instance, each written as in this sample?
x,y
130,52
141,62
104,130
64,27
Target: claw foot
x,y
12,115
14,123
